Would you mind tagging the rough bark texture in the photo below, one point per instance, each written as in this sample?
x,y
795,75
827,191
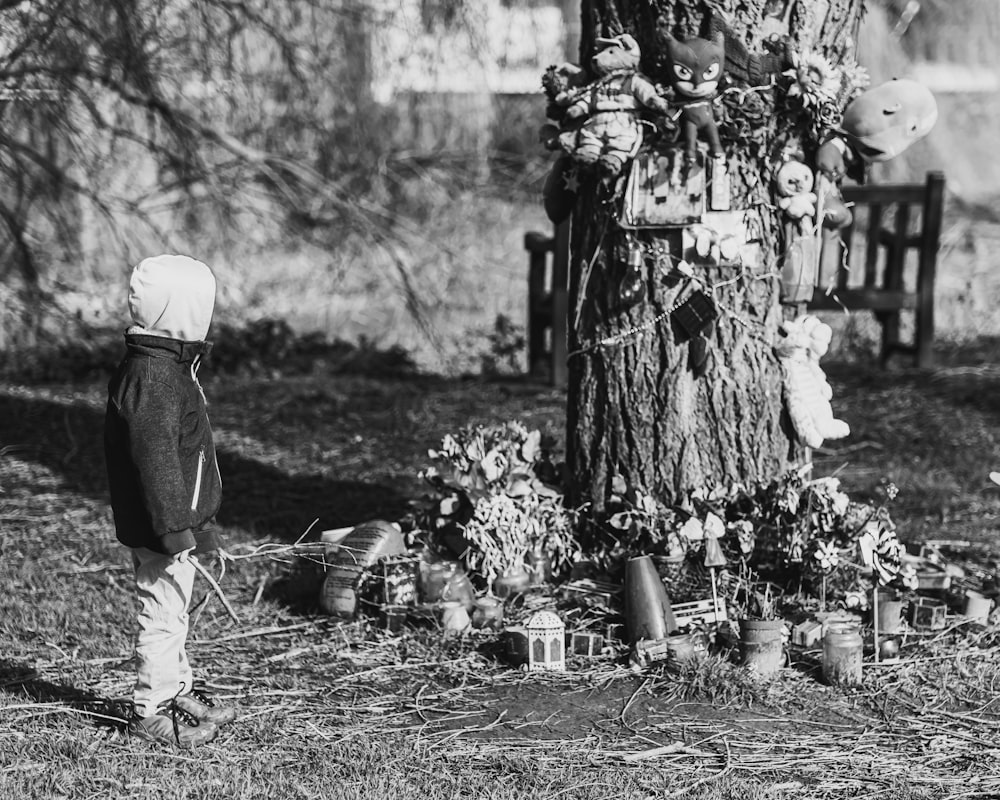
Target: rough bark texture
x,y
634,406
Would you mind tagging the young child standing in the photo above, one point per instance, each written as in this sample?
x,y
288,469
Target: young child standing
x,y
165,487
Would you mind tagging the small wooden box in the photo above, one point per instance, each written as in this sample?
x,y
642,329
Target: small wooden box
x,y
588,592
586,644
615,632
807,633
704,611
928,614
933,579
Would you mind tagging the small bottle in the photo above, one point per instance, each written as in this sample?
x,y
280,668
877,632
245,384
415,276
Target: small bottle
x,y
540,568
435,580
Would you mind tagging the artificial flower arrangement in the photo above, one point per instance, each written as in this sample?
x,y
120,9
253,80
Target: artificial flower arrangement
x,y
497,500
795,529
820,89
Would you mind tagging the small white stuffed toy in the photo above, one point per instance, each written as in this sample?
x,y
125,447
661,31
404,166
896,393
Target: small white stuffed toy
x,y
807,393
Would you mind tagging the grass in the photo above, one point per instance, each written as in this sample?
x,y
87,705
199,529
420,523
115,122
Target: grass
x,y
333,710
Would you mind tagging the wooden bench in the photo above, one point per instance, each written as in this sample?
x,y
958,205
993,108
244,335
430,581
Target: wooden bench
x,y
891,221
548,302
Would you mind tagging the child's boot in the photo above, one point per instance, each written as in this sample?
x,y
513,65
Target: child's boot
x,y
200,706
173,725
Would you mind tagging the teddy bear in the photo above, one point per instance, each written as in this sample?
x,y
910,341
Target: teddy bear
x,y
600,125
806,390
794,185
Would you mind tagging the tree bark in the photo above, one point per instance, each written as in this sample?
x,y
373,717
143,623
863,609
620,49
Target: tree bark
x,y
634,407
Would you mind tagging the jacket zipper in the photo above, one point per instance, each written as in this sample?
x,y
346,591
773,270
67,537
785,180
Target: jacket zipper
x,y
197,480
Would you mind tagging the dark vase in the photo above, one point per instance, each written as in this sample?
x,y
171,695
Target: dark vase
x,y
648,614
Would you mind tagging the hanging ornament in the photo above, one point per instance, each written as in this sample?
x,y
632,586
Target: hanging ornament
x,y
632,288
695,318
561,189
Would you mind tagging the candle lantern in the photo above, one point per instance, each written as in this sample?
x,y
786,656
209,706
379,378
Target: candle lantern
x,y
546,641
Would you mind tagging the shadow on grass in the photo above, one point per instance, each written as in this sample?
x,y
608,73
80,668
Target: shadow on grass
x,y
22,684
67,438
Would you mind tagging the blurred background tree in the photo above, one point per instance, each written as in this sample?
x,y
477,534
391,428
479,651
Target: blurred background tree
x,y
306,149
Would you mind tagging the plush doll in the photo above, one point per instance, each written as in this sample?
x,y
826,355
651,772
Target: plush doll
x,y
794,185
878,124
695,72
563,85
607,110
807,393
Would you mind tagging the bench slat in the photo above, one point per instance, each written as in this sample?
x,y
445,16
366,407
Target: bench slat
x,y
863,299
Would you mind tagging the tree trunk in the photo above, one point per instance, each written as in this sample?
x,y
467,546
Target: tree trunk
x,y
635,408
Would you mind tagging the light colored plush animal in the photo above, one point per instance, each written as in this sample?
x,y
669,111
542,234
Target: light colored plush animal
x,y
607,111
794,183
807,392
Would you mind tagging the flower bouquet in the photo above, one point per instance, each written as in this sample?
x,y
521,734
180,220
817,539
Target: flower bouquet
x,y
495,502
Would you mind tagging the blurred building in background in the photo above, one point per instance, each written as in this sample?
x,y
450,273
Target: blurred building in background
x,y
466,77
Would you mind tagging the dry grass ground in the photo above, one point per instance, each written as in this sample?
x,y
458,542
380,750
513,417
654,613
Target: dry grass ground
x,y
341,710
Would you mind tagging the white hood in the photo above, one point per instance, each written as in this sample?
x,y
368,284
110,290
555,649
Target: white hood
x,y
172,296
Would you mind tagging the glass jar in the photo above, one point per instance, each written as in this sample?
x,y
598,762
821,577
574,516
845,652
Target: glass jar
x,y
454,617
487,613
842,652
511,583
539,568
435,579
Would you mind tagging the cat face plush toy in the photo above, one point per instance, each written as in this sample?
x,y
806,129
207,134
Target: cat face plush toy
x,y
696,66
695,70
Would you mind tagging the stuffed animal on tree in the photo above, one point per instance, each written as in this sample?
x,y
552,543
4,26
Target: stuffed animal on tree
x,y
695,70
878,124
563,85
606,112
806,390
794,186
836,214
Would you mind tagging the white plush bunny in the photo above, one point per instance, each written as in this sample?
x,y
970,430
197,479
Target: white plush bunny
x,y
807,393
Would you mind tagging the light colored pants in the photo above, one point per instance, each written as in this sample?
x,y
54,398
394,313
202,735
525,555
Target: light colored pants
x,y
164,588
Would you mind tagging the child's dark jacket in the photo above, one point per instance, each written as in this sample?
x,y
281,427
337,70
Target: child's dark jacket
x,y
162,470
